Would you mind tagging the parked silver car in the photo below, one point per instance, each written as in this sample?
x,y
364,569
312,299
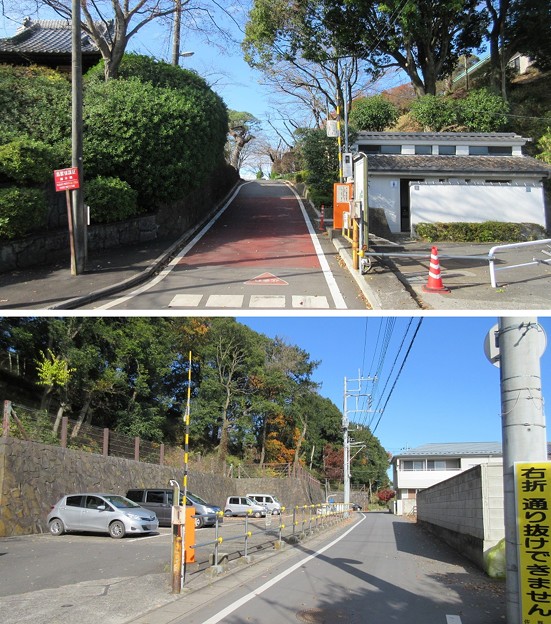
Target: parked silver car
x,y
100,513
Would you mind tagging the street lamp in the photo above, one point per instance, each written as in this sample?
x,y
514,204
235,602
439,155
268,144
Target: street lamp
x,y
186,54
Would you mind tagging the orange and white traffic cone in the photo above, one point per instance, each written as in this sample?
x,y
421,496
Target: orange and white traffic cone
x,y
434,283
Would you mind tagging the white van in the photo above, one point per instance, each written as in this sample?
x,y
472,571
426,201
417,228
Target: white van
x,y
267,500
243,506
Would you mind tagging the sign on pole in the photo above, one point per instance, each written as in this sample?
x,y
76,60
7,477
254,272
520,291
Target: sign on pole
x,y
533,504
66,179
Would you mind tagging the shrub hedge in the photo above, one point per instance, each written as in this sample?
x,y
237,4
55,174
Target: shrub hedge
x,y
110,199
21,210
486,232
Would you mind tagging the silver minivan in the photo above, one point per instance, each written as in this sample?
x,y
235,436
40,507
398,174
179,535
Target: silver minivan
x,y
159,500
243,506
100,513
267,500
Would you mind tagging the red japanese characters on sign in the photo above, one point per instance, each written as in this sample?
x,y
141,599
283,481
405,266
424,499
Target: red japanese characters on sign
x,y
66,179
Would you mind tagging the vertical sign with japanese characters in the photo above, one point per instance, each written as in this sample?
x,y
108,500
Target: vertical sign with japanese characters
x,y
533,500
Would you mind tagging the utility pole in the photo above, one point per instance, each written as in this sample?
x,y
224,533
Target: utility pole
x,y
520,344
176,33
78,212
356,393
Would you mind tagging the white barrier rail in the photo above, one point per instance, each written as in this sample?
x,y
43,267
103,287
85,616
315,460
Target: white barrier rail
x,y
498,248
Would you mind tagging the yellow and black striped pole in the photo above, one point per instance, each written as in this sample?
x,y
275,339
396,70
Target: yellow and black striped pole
x,y
339,142
186,434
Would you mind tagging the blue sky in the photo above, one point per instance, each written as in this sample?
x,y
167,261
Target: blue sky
x,y
447,391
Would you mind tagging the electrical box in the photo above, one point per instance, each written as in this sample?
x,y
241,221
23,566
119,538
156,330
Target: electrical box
x,y
342,196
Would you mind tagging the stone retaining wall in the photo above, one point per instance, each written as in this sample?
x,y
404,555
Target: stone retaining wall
x,y
34,476
169,221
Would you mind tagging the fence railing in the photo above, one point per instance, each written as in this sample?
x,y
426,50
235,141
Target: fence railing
x,y
289,528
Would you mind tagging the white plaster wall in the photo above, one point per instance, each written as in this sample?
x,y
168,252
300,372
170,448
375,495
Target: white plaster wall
x,y
384,192
443,202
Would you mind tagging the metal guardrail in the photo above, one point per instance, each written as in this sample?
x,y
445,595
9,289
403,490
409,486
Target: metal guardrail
x,y
289,528
498,248
365,260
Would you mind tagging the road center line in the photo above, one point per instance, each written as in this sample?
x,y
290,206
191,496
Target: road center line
x,y
239,603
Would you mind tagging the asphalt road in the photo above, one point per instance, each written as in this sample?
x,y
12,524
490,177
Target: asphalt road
x,y
372,568
260,252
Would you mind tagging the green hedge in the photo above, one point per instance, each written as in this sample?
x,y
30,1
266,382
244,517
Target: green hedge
x,y
486,232
28,161
110,199
21,210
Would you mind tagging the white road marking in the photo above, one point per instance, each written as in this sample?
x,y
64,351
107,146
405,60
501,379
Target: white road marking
x,y
225,301
239,603
329,277
310,301
453,619
267,301
185,301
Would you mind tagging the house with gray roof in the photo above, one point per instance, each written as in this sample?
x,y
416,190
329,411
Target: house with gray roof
x,y
47,43
431,177
418,468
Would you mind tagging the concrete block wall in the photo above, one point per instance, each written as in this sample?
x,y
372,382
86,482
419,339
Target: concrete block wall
x,y
34,476
466,511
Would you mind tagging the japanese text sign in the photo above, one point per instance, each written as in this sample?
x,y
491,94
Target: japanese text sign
x,y
66,179
533,500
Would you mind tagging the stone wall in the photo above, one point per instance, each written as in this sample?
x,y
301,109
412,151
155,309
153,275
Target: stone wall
x,y
167,222
466,511
34,476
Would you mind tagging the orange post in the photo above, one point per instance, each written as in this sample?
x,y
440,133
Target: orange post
x,y
189,536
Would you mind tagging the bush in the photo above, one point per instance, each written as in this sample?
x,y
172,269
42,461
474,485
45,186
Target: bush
x,y
110,199
434,112
21,210
164,142
27,160
486,232
373,113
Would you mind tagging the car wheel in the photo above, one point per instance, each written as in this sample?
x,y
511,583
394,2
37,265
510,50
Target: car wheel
x,y
198,522
257,514
228,513
56,527
275,512
116,529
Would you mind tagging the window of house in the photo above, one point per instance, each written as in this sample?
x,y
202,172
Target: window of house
x,y
381,149
447,150
443,464
423,150
490,150
410,464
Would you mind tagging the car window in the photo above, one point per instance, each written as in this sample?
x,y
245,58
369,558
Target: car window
x,y
197,499
135,495
93,502
234,500
120,502
155,496
74,501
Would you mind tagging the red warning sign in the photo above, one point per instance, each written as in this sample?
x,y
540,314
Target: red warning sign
x,y
267,279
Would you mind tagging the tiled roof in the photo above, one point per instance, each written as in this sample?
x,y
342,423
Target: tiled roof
x,y
454,165
45,36
455,449
440,137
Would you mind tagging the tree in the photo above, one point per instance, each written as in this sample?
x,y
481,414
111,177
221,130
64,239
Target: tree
x,y
544,145
529,30
298,60
421,37
112,24
480,111
321,161
373,113
241,126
